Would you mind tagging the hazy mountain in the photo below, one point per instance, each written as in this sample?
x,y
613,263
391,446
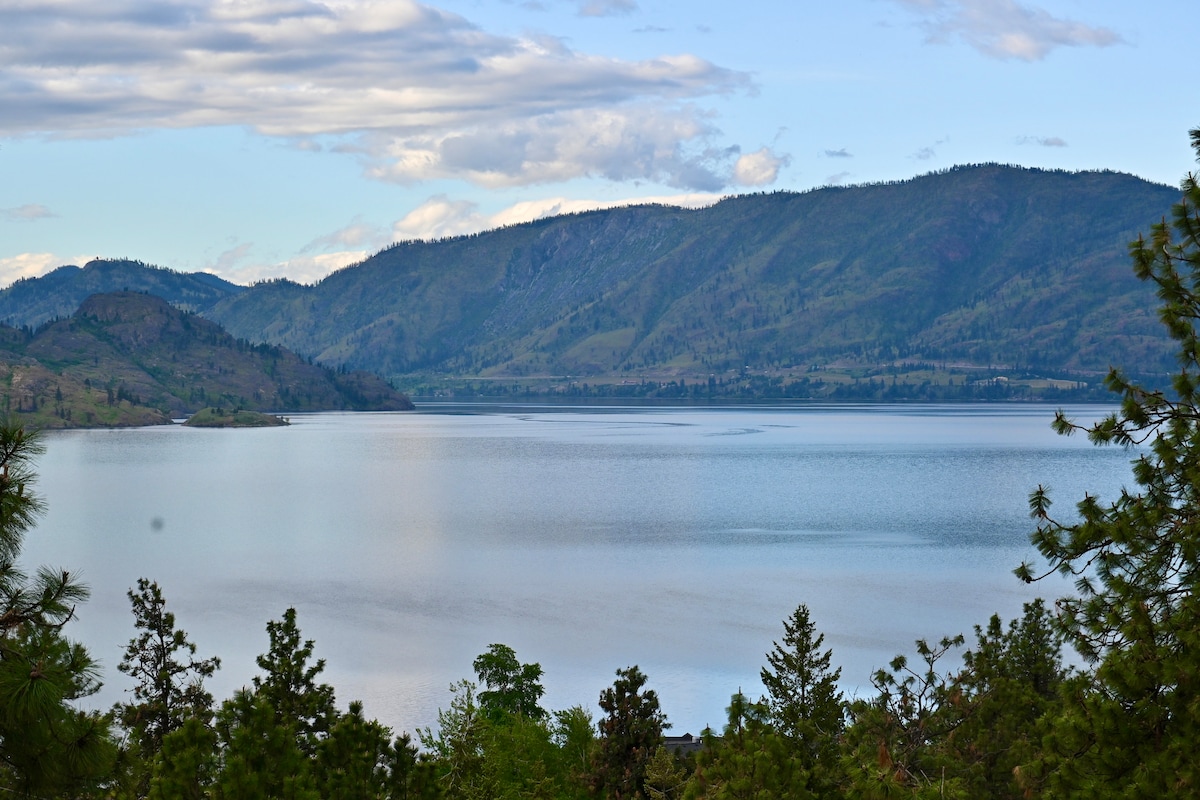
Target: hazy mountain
x,y
133,359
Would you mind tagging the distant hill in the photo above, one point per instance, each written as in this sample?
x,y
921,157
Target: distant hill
x,y
133,359
35,301
977,266
980,265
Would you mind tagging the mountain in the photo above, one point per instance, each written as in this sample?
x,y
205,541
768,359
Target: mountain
x,y
133,359
32,302
976,266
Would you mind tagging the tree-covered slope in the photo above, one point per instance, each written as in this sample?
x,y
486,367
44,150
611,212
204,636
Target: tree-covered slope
x,y
133,359
33,302
983,265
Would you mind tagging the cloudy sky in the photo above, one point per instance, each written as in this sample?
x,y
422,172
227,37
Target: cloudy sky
x,y
265,138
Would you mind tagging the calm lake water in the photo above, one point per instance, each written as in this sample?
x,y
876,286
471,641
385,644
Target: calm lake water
x,y
587,538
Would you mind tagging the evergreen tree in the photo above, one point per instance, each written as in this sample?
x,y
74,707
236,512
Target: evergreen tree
x,y
47,747
806,705
752,760
896,744
170,680
630,731
1007,698
290,685
1136,560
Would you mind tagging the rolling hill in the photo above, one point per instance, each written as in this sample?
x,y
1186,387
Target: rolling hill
x,y
133,359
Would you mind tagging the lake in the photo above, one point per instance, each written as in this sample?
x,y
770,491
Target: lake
x,y
588,538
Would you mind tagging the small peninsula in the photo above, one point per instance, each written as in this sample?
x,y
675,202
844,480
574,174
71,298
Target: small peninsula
x,y
236,418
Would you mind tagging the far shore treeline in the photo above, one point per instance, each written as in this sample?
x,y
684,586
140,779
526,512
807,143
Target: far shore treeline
x,y
1011,720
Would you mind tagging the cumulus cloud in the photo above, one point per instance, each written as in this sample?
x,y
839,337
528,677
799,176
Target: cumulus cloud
x,y
29,265
837,179
356,234
759,168
1044,141
415,92
1005,29
440,216
301,269
30,212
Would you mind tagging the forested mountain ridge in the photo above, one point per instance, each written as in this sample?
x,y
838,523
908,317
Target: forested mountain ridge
x,y
133,359
32,302
985,265
981,265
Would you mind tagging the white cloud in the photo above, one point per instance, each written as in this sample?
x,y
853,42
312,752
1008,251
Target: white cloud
x,y
759,168
440,217
837,179
413,91
29,265
356,234
1006,29
30,212
301,268
1044,141
842,153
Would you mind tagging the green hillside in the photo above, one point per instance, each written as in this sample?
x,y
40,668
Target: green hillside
x,y
133,359
986,265
990,271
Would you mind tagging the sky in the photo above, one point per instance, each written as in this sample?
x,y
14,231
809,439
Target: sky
x,y
258,139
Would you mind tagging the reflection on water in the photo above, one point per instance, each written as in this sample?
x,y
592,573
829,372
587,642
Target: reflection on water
x,y
587,538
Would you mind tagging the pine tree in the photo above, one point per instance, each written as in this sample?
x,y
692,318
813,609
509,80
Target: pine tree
x,y
1136,560
170,680
47,747
630,731
289,683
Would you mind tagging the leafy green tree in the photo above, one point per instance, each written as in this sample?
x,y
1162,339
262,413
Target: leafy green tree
x,y
751,760
1136,560
47,747
806,705
511,687
630,732
170,680
289,683
457,746
574,734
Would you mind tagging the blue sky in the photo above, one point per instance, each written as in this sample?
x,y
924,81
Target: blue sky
x,y
266,138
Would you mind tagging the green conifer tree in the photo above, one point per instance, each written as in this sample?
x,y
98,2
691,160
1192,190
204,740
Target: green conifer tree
x,y
47,747
806,705
1136,561
631,730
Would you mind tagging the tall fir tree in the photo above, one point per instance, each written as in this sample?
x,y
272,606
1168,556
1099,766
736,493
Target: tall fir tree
x,y
802,693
